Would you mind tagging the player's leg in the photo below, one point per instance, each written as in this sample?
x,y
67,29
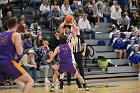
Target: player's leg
x,y
25,83
73,71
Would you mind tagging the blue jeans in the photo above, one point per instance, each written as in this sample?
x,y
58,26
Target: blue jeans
x,y
34,74
83,33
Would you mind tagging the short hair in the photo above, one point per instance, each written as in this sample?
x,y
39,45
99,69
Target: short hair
x,y
63,39
12,22
69,26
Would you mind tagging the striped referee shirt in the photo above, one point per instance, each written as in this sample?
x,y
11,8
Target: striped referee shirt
x,y
78,46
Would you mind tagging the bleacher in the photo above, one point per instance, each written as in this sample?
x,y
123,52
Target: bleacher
x,y
121,68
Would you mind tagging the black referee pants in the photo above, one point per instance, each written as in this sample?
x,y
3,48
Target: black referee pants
x,y
78,59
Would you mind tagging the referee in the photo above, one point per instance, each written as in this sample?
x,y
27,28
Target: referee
x,y
79,50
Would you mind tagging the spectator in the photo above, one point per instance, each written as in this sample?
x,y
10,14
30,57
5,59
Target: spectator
x,y
135,58
74,7
91,15
99,13
28,63
54,41
134,19
55,3
35,29
133,4
78,13
130,48
55,17
112,35
66,2
119,47
38,42
26,21
22,28
44,8
5,19
132,31
136,37
126,40
27,43
106,10
85,27
6,9
44,66
66,11
115,2
115,15
126,11
124,21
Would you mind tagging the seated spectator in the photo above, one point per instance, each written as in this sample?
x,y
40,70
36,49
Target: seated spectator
x,y
91,15
126,40
38,42
78,13
66,11
44,65
133,4
27,43
35,29
84,27
55,3
113,35
22,28
136,37
135,58
28,63
119,46
130,48
54,41
134,19
106,10
115,2
6,9
115,15
9,14
99,13
55,17
28,24
124,21
74,6
126,11
44,8
132,31
66,2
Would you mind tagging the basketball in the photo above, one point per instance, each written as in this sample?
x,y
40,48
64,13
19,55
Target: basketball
x,y
68,18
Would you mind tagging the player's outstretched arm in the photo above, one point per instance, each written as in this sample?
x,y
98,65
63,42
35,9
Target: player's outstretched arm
x,y
54,54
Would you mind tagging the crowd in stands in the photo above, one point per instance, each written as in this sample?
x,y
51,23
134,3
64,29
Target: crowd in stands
x,y
123,14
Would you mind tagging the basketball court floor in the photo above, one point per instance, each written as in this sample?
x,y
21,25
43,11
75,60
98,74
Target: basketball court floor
x,y
115,85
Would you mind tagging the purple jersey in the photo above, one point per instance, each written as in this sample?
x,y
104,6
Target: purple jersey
x,y
7,47
65,54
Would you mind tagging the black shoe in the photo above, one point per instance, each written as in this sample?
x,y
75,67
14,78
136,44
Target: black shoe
x,y
52,89
61,84
85,86
68,83
78,83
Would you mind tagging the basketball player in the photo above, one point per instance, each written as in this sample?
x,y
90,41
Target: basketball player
x,y
64,52
10,45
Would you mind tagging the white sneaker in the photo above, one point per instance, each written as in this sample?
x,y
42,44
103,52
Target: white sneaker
x,y
47,80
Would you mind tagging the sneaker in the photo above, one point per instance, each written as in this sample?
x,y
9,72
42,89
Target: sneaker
x,y
52,89
85,86
61,84
47,80
78,83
